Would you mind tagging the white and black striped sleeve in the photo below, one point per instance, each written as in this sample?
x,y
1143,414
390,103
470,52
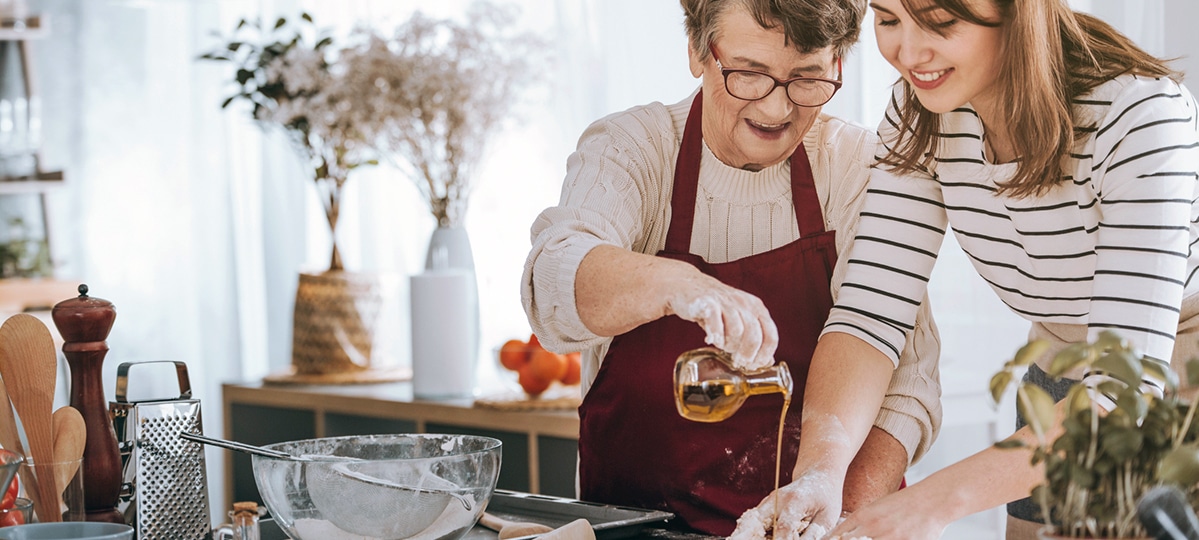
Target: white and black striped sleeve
x,y
1145,167
901,228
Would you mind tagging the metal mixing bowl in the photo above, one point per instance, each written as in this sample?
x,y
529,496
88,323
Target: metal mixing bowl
x,y
389,487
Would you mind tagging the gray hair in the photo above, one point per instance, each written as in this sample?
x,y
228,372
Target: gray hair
x,y
809,25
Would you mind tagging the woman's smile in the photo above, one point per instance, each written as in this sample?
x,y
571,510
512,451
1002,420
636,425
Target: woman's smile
x,y
927,80
767,131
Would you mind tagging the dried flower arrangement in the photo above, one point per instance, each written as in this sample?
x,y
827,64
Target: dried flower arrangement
x,y
445,88
428,97
291,76
1103,463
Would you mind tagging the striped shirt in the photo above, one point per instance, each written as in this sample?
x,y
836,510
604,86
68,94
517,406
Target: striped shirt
x,y
1111,247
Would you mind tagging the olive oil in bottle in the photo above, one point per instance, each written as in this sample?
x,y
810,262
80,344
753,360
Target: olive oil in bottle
x,y
709,389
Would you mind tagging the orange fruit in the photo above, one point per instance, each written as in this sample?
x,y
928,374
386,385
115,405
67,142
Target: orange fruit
x,y
546,365
574,369
514,354
532,384
534,343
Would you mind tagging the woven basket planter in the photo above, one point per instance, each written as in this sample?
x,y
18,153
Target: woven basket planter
x,y
335,318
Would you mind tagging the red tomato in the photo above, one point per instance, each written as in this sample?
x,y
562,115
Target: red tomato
x,y
11,518
10,496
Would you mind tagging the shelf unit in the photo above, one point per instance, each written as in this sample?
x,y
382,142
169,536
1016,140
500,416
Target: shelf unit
x,y
41,181
34,27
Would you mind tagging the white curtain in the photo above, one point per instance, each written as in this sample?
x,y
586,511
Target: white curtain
x,y
195,222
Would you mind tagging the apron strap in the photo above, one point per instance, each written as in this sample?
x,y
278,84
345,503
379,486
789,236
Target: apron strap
x,y
803,195
686,181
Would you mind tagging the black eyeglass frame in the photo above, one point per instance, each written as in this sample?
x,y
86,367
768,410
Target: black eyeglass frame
x,y
725,72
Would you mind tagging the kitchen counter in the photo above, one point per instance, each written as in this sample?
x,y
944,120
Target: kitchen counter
x,y
540,446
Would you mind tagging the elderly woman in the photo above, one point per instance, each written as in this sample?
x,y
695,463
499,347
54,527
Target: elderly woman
x,y
718,219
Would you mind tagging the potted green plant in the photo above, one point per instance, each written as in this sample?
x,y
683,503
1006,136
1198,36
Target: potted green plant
x,y
21,255
1103,462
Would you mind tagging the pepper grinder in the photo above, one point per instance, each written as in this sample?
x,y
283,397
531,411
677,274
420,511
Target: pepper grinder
x,y
84,323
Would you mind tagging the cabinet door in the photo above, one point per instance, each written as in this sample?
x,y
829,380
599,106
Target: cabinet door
x,y
258,425
340,425
557,465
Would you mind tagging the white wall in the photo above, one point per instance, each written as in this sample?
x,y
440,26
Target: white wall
x,y
1181,40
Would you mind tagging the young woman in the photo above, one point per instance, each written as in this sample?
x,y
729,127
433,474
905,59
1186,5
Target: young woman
x,y
1066,161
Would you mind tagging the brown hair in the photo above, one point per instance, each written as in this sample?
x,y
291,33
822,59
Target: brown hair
x,y
808,25
1051,56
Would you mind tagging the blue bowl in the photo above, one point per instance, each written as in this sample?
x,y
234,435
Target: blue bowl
x,y
80,530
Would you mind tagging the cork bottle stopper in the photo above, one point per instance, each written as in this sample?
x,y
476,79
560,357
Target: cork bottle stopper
x,y
251,507
245,513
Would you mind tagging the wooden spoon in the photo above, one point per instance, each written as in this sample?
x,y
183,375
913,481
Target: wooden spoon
x,y
70,436
28,364
10,439
512,529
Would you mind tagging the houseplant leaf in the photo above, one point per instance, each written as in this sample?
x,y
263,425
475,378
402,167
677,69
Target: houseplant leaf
x,y
1180,466
1122,443
1161,371
1030,352
1120,364
999,384
1036,406
1108,340
1074,355
1077,399
1132,401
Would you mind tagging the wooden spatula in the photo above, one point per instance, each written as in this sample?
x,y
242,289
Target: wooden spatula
x,y
28,364
70,437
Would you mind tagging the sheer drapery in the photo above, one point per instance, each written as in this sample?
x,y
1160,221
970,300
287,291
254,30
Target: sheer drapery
x,y
195,222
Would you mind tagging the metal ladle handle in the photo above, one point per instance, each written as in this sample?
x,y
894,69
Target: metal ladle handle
x,y
241,447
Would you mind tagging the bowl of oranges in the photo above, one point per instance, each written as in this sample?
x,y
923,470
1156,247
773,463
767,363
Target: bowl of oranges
x,y
536,369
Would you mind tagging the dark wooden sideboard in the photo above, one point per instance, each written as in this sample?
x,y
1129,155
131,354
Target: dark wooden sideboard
x,y
540,448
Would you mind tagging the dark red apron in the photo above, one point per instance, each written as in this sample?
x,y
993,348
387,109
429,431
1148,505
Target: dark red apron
x,y
634,448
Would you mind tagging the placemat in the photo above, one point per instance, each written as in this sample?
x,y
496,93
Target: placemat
x,y
556,398
368,376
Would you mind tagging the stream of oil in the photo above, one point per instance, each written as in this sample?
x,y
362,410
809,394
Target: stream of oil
x,y
778,455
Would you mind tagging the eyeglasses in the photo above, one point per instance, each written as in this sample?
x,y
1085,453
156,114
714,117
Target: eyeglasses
x,y
754,85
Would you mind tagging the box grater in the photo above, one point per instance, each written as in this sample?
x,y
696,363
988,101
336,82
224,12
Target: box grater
x,y
164,494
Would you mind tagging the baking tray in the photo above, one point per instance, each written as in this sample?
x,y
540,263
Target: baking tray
x,y
609,521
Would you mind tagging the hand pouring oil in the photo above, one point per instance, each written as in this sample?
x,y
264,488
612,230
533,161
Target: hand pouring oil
x,y
707,388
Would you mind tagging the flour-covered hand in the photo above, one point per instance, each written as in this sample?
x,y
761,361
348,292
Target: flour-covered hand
x,y
733,320
808,508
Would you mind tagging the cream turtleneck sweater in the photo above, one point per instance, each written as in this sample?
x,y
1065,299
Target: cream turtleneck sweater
x,y
617,191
